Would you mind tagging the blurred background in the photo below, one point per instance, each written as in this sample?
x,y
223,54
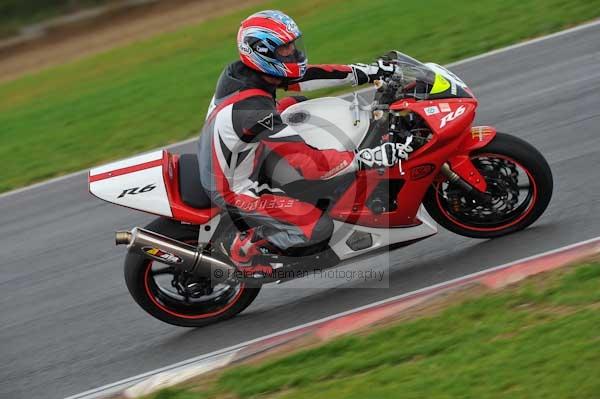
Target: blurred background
x,y
87,81
83,82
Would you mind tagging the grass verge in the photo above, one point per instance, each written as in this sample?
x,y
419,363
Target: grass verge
x,y
537,339
16,14
156,92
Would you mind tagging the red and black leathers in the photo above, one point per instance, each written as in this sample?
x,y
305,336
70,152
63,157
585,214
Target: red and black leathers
x,y
242,127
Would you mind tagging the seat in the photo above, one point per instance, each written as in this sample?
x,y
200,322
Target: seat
x,y
190,186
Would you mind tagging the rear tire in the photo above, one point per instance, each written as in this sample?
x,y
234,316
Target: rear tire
x,y
155,300
508,150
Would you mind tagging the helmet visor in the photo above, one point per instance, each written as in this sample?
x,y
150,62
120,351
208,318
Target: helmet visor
x,y
292,52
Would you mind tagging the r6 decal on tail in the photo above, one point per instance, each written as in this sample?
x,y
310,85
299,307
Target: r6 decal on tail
x,y
452,116
137,190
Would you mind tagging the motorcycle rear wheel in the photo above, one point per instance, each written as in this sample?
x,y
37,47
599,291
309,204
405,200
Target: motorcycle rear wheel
x,y
519,180
152,285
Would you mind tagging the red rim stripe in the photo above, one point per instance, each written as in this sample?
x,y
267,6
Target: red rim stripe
x,y
530,207
152,297
126,170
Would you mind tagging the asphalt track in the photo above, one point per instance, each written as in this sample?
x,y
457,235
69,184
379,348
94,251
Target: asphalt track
x,y
68,323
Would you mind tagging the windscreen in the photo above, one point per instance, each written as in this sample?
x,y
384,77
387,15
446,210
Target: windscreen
x,y
423,81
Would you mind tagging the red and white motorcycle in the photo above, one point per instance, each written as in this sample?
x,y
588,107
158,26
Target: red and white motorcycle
x,y
471,180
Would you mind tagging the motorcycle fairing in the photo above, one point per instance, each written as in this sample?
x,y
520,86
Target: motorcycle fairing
x,y
447,118
135,182
353,206
451,85
380,237
461,164
149,183
343,232
182,211
480,137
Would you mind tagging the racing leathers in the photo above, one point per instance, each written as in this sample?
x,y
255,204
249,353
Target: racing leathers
x,y
243,126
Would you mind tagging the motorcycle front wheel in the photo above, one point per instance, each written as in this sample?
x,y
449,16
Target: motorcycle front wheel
x,y
178,299
519,184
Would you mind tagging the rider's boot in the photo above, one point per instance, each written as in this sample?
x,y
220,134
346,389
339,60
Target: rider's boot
x,y
246,247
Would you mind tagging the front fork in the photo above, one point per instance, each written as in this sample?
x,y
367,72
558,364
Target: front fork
x,y
464,184
461,171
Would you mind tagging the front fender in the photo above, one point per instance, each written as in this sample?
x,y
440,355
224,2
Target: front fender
x,y
480,137
461,162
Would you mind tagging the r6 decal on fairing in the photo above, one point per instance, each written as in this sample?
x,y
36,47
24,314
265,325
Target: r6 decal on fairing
x,y
137,190
452,116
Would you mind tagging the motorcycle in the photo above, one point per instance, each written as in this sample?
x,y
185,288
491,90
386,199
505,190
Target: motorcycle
x,y
472,180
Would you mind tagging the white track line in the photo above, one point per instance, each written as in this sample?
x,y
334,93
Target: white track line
x,y
120,385
453,64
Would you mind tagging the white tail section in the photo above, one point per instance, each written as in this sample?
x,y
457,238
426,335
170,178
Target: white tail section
x,y
136,183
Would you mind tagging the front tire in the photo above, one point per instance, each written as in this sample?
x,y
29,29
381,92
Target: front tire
x,y
149,285
519,180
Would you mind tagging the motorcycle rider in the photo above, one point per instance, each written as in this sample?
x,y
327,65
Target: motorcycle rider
x,y
243,127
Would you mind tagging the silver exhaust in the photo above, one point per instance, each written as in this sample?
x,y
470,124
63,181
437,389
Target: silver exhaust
x,y
176,253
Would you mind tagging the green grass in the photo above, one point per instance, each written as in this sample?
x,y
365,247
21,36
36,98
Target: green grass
x,y
539,339
16,14
156,92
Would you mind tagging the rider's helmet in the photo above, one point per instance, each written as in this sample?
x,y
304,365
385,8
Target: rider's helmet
x,y
270,42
